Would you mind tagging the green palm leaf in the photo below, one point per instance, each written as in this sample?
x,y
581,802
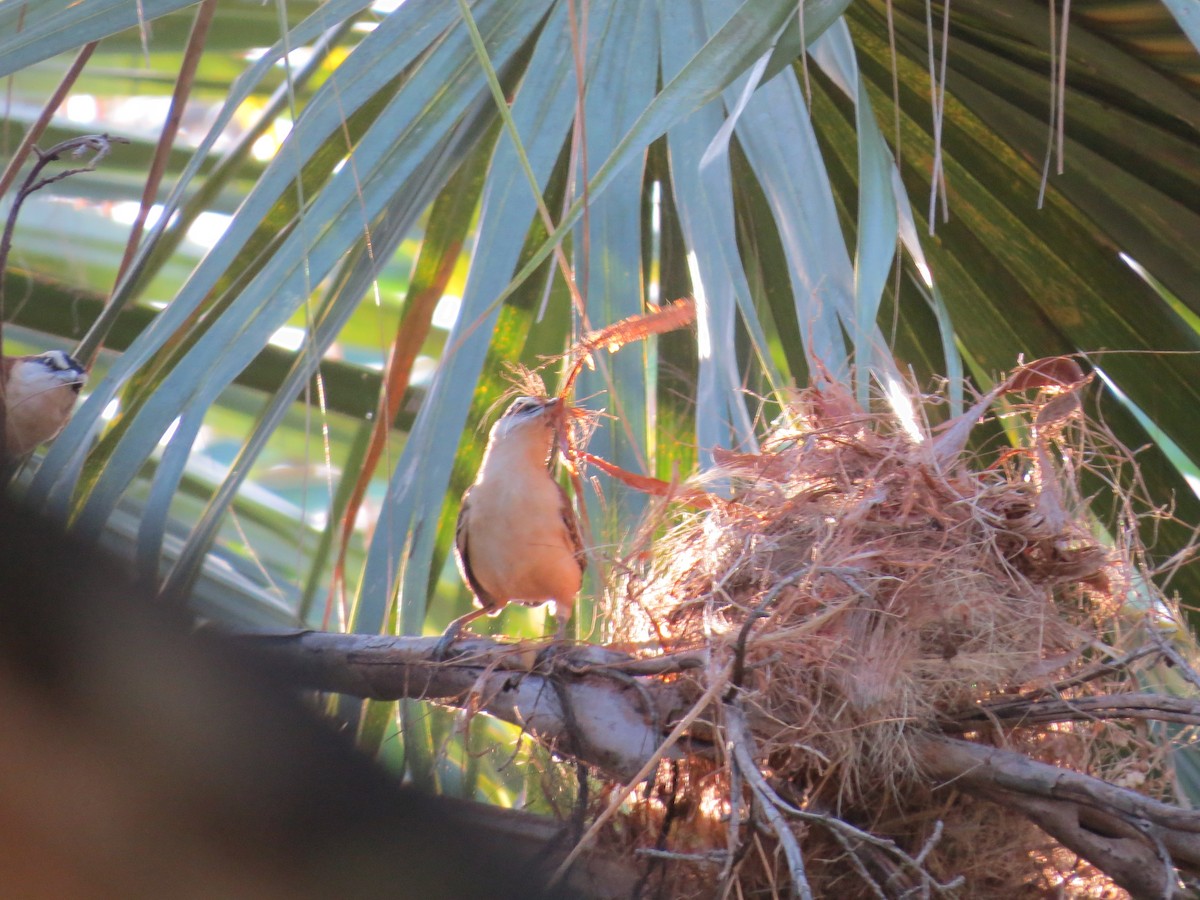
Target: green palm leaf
x,y
783,191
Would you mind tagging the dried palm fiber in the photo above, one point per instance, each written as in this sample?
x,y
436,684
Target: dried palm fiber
x,y
872,585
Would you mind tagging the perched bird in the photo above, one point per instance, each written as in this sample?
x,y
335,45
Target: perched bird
x,y
39,394
517,538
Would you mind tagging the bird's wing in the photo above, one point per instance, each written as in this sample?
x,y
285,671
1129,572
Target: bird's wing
x,y
463,556
572,525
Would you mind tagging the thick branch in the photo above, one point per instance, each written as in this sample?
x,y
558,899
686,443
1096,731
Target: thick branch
x,y
618,711
618,722
1098,820
1126,856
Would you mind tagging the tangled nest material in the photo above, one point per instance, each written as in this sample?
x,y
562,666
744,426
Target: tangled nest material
x,y
863,588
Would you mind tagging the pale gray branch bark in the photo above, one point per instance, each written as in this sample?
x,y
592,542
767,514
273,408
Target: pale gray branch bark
x,y
581,702
1136,840
613,711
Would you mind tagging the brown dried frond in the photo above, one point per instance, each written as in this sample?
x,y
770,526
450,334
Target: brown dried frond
x,y
659,320
523,382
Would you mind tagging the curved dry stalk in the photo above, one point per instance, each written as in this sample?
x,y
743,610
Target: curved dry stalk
x,y
740,743
99,145
1030,712
717,685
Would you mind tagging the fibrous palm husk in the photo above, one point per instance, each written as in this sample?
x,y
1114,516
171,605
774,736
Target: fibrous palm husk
x,y
868,585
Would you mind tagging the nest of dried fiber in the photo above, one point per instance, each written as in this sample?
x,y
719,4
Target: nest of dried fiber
x,y
867,587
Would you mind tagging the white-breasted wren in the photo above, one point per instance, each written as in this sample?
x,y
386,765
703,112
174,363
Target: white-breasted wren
x,y
517,538
39,394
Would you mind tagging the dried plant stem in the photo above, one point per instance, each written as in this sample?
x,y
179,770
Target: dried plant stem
x,y
1176,659
717,685
612,338
734,825
98,145
183,88
741,744
1083,709
38,128
1097,670
769,803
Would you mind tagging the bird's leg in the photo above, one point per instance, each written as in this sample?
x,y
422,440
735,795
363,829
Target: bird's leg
x,y
442,648
562,617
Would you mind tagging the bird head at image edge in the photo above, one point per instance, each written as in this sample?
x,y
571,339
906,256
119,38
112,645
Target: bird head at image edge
x,y
517,538
39,394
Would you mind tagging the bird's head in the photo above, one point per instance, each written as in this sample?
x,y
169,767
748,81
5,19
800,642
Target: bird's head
x,y
525,432
54,368
39,393
527,416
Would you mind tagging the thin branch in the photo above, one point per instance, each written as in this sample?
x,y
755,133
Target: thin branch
x,y
1096,670
741,743
98,145
38,128
1176,659
1024,712
718,684
759,612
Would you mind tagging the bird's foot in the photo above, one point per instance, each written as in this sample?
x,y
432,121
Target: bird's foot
x,y
441,650
554,656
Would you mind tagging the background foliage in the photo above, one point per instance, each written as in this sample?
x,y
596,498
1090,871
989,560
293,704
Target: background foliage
x,y
367,212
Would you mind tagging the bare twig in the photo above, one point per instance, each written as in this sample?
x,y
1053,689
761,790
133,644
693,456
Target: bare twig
x,y
1030,712
741,744
38,128
852,854
759,612
712,857
718,684
733,827
1176,658
1099,669
98,145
